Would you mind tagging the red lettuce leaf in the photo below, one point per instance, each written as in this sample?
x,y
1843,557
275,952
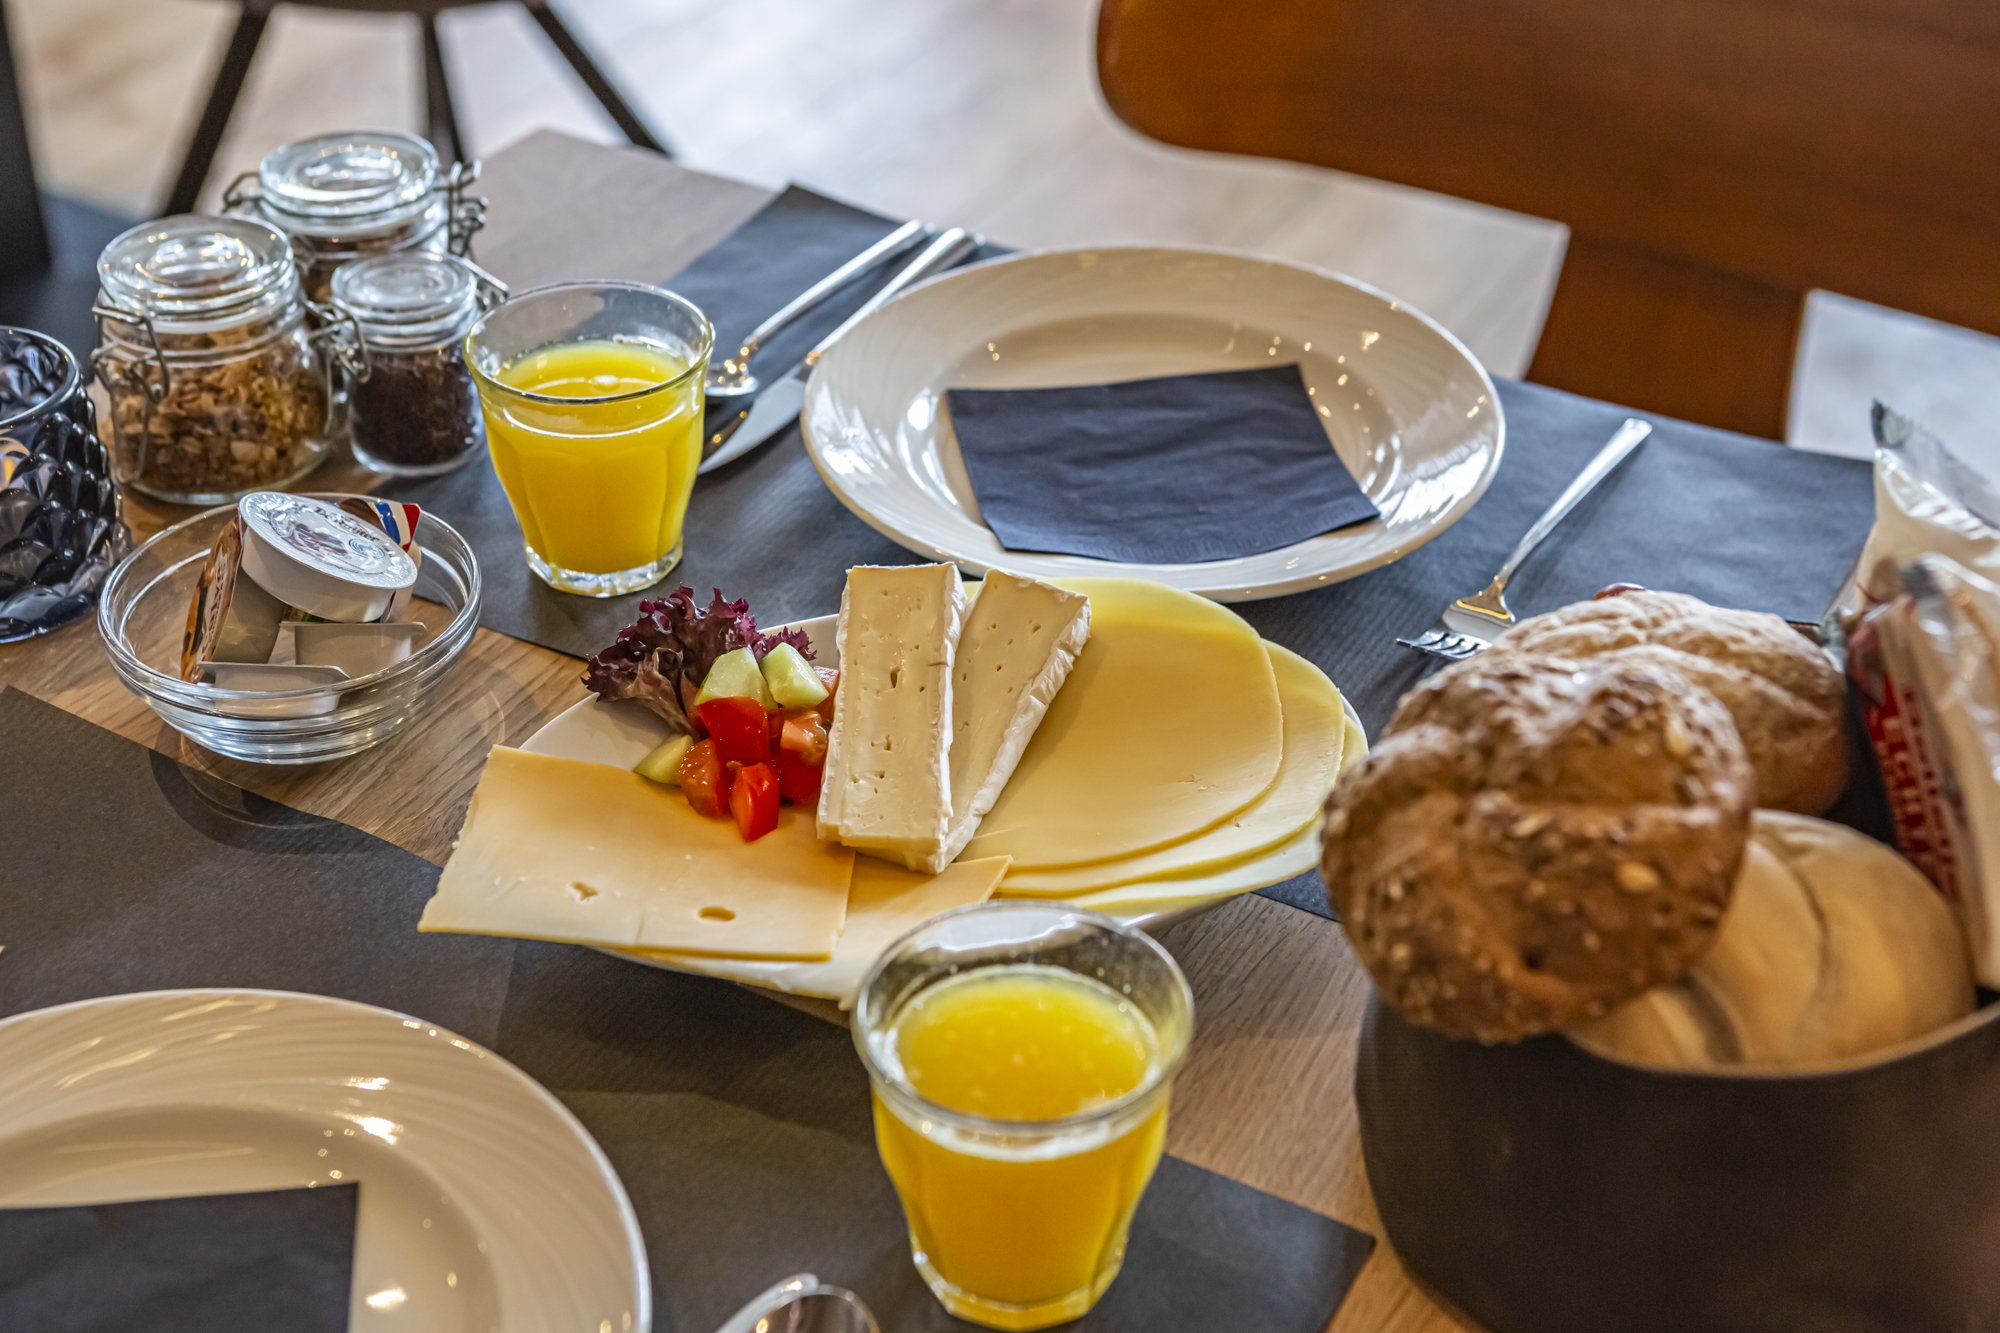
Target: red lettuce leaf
x,y
661,658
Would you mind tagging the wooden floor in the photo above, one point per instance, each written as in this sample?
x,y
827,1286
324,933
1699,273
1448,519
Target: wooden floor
x,y
982,112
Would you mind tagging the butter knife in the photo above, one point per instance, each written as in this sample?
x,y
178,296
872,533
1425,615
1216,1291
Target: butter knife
x,y
778,406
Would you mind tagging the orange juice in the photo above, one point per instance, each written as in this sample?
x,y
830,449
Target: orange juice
x,y
600,478
1023,1230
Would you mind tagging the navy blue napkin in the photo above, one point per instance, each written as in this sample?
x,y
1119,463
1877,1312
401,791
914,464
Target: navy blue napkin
x,y
1175,470
276,1259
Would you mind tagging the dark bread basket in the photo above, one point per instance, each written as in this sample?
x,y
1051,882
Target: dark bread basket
x,y
1543,1189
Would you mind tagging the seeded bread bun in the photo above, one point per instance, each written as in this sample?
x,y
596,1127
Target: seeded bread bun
x,y
1833,947
1786,696
1535,840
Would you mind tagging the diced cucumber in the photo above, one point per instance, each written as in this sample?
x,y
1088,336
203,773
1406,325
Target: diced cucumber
x,y
791,679
663,764
734,676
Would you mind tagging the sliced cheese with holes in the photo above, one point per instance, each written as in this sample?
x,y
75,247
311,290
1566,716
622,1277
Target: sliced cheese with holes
x,y
1169,725
887,786
1315,732
1259,870
1021,640
556,849
885,903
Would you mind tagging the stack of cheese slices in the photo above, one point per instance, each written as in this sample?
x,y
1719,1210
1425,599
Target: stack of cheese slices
x,y
1112,743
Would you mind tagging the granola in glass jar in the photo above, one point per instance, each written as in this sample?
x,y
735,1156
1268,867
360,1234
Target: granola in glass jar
x,y
216,384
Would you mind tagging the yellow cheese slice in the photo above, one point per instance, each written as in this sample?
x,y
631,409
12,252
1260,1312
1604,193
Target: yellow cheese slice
x,y
1169,725
884,903
1315,732
1260,870
557,849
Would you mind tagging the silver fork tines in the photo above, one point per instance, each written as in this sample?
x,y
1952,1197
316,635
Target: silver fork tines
x,y
1445,643
1467,623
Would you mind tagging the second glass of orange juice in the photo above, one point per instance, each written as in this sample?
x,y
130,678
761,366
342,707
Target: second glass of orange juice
x,y
1021,1057
593,400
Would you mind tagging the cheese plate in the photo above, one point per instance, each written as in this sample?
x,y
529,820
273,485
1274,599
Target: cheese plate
x,y
621,733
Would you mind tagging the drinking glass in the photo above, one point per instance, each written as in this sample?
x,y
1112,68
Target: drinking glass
x,y
1019,1198
592,394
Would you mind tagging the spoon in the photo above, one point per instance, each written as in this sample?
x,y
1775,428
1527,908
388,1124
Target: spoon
x,y
803,1304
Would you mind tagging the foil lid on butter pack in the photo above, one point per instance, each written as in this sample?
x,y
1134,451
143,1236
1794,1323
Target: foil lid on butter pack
x,y
349,563
321,559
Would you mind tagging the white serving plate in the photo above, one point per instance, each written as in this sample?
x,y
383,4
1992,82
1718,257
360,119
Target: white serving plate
x,y
484,1205
621,733
1406,406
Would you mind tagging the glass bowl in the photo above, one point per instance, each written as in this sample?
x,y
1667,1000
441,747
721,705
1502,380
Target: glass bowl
x,y
143,615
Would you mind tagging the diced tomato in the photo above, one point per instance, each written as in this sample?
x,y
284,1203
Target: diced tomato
x,y
831,679
704,781
798,781
804,735
753,801
738,728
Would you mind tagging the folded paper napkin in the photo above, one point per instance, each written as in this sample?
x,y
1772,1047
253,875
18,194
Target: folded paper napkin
x,y
1176,470
277,1259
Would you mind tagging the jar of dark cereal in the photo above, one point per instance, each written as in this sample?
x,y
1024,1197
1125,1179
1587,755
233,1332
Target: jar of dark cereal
x,y
217,385
348,196
413,409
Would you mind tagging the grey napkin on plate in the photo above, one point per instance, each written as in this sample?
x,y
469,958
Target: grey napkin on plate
x,y
272,1259
1174,470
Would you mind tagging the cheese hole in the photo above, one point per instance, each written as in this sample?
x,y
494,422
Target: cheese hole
x,y
894,675
583,892
716,914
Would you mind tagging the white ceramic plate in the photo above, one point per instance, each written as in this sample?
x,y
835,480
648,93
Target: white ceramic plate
x,y
621,733
484,1204
1406,406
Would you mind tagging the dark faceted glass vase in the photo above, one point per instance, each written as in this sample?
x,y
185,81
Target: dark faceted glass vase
x,y
60,530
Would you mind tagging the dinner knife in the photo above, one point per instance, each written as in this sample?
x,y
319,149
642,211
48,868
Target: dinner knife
x,y
778,406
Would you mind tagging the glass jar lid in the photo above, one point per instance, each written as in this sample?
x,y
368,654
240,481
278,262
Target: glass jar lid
x,y
197,268
408,297
348,184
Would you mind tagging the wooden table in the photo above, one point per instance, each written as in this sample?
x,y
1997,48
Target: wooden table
x,y
1267,1095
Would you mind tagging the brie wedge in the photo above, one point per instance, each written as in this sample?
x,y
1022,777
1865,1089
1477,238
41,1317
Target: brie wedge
x,y
887,784
1021,638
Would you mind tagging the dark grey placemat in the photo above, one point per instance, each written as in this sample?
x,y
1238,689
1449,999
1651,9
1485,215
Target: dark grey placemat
x,y
740,1127
271,1259
1739,521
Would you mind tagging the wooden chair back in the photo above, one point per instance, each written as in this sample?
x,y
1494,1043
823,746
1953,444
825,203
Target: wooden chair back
x,y
1714,160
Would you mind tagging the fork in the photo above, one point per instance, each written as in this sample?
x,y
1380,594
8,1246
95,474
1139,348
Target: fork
x,y
1470,624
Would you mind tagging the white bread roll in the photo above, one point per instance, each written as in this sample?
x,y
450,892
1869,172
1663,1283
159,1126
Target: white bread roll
x,y
1833,946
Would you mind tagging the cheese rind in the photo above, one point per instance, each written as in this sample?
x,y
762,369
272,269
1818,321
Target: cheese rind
x,y
1169,725
1021,639
558,849
1315,737
884,903
887,784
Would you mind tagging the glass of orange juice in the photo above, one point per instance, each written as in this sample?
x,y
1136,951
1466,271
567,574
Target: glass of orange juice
x,y
1021,1056
592,393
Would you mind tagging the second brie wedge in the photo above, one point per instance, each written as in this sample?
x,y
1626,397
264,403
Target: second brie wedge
x,y
887,787
1021,638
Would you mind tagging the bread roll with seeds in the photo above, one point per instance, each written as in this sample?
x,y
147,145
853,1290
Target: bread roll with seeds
x,y
1784,693
1535,840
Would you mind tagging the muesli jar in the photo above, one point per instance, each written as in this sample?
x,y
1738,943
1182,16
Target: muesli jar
x,y
412,409
217,385
342,197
